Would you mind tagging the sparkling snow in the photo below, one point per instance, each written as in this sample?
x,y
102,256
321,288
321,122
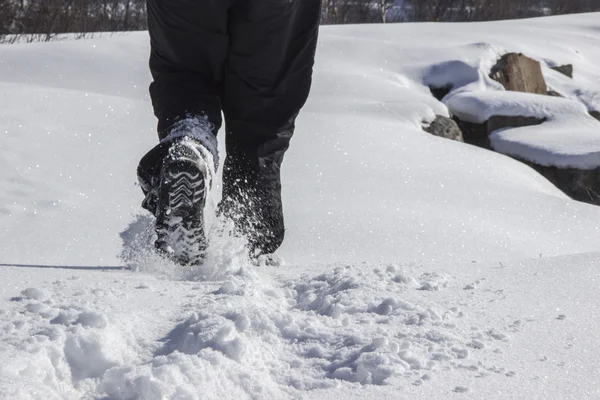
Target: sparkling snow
x,y
414,267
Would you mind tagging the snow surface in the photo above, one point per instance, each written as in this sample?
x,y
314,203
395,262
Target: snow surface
x,y
565,144
478,107
414,267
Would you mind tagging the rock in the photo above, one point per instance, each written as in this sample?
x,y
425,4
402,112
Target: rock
x,y
578,184
475,134
478,134
519,73
440,92
446,128
497,122
566,69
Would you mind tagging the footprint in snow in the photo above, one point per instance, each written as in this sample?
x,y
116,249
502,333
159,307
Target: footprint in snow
x,y
433,281
461,389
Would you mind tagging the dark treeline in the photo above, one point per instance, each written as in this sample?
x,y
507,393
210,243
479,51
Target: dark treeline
x,y
372,11
43,20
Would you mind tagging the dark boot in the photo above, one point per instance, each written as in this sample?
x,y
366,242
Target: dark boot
x,y
252,192
176,177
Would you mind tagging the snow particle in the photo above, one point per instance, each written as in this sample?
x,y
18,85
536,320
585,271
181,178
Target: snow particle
x,y
380,342
143,286
92,319
226,288
386,307
460,352
35,307
242,323
476,344
35,294
496,334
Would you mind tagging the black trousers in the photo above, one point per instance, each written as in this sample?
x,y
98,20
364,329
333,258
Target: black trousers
x,y
250,60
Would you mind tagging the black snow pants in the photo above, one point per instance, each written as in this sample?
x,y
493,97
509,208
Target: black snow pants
x,y
252,61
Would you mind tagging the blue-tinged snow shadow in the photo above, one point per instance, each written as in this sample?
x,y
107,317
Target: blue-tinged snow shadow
x,y
172,340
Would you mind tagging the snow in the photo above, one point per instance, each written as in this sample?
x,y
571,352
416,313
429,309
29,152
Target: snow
x,y
413,267
478,107
567,137
563,145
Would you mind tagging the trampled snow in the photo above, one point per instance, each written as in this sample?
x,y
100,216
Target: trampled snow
x,y
414,267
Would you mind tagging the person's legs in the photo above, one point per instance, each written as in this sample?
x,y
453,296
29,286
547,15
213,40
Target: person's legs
x,y
189,43
266,83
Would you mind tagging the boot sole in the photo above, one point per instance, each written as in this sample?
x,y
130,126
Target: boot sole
x,y
180,225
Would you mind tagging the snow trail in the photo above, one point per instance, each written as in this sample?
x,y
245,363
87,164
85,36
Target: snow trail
x,y
247,335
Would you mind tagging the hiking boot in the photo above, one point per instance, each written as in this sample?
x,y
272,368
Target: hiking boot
x,y
177,199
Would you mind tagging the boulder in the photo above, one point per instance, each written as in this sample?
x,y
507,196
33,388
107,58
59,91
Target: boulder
x,y
473,133
519,73
478,134
440,92
498,122
566,69
579,184
446,128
